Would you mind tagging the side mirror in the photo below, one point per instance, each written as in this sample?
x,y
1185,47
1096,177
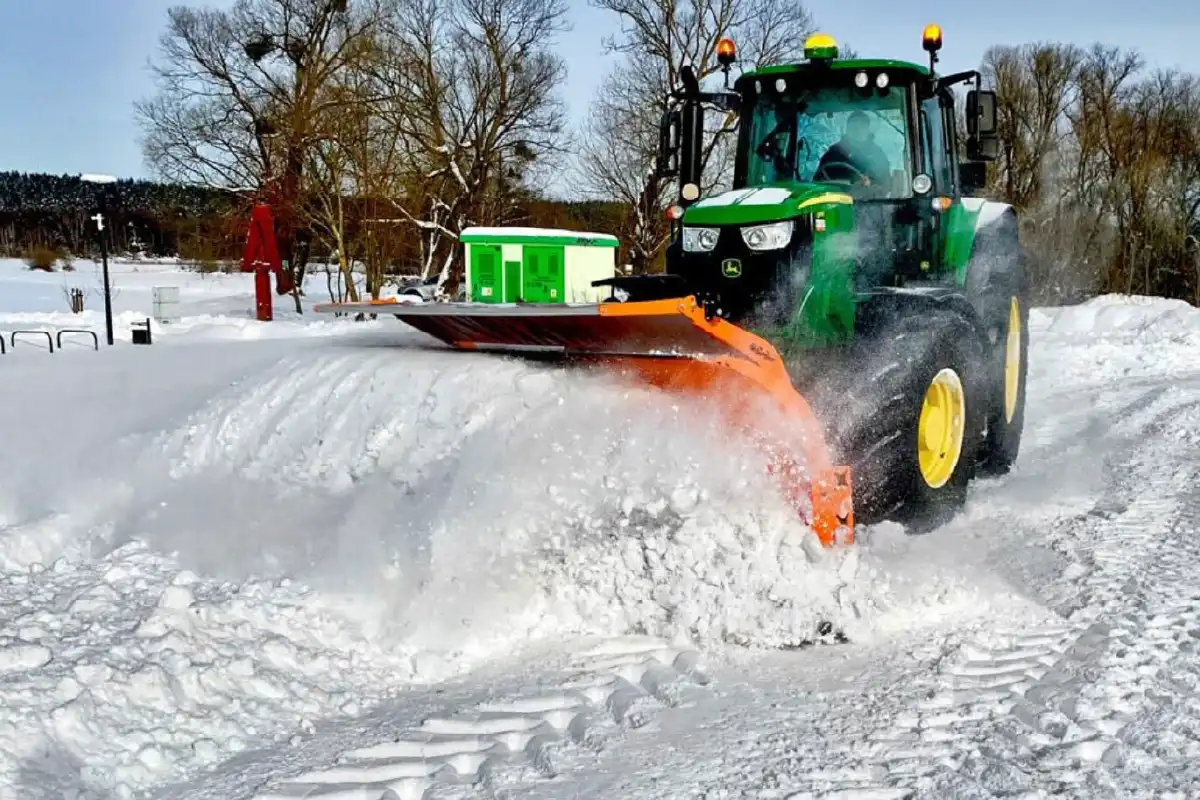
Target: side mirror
x,y
972,177
981,113
982,142
670,131
981,148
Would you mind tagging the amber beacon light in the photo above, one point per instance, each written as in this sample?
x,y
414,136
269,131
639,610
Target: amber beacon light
x,y
931,38
726,52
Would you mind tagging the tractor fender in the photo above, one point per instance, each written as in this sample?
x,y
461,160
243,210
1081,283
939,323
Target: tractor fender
x,y
879,310
996,269
998,272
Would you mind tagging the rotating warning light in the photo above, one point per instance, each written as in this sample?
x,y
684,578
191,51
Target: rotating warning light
x,y
931,38
726,52
820,47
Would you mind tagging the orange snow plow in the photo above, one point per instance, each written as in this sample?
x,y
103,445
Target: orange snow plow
x,y
670,345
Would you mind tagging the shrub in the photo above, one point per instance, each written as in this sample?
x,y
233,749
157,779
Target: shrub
x,y
41,258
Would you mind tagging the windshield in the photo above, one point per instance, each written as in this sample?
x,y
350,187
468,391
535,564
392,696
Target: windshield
x,y
835,135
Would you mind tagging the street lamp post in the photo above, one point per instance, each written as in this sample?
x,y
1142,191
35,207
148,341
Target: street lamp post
x,y
103,180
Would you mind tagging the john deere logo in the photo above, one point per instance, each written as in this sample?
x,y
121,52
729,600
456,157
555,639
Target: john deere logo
x,y
731,268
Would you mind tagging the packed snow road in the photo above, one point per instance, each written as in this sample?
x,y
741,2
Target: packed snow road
x,y
331,568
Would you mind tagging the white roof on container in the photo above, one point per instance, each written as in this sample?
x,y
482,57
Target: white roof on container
x,y
536,233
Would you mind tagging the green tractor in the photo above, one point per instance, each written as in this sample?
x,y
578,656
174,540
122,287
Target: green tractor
x,y
853,241
849,276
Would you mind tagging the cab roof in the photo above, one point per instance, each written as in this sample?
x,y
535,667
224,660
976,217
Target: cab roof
x,y
849,63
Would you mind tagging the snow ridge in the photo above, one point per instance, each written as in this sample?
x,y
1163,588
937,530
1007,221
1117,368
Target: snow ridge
x,y
516,496
619,684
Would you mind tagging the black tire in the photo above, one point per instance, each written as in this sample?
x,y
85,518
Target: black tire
x,y
998,278
1005,426
874,429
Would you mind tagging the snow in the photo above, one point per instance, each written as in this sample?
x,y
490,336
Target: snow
x,y
766,197
214,305
535,233
315,558
989,210
725,198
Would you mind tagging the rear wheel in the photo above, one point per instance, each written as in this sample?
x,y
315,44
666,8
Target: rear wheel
x,y
911,419
1009,367
998,285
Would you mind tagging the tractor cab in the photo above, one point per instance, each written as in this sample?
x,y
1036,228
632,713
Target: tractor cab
x,y
866,147
808,126
879,129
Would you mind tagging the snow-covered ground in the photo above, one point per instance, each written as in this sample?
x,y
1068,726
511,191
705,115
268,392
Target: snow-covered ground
x,y
297,560
215,305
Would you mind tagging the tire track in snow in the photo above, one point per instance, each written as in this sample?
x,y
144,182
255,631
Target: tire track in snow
x,y
1061,706
614,687
1064,702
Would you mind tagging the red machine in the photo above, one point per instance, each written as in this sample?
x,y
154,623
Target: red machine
x,y
261,257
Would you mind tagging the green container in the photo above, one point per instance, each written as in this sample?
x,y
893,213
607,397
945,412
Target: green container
x,y
487,280
544,277
537,265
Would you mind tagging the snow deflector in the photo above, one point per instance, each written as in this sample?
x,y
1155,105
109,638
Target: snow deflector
x,y
671,345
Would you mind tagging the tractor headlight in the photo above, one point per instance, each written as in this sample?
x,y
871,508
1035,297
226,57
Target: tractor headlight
x,y
773,236
699,240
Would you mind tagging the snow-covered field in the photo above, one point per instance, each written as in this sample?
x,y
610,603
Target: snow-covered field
x,y
295,560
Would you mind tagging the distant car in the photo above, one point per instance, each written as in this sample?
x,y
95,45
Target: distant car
x,y
424,289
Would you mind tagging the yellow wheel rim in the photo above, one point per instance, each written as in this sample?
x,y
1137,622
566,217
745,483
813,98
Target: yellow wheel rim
x,y
1012,361
940,429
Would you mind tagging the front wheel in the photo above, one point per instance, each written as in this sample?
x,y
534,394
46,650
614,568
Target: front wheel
x,y
913,440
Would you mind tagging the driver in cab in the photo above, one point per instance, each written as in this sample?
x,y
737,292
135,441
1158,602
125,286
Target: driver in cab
x,y
855,157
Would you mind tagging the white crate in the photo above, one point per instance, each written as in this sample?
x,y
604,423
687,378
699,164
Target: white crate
x,y
166,303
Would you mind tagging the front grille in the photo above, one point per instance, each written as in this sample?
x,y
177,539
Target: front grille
x,y
766,285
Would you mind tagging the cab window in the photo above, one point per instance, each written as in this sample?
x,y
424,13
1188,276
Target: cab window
x,y
798,137
938,158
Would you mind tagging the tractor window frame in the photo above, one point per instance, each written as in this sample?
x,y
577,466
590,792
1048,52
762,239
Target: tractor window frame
x,y
751,95
950,125
939,159
923,141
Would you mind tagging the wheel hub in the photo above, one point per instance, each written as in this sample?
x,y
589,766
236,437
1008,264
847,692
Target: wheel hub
x,y
941,428
1012,361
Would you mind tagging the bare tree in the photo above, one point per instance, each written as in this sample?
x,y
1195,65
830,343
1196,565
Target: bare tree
x,y
1103,160
658,38
241,94
1038,82
473,88
352,170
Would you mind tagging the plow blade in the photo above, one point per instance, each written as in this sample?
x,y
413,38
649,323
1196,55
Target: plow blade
x,y
671,345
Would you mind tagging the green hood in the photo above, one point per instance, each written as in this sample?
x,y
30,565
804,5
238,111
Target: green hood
x,y
765,204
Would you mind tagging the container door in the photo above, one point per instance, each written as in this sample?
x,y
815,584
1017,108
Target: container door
x,y
485,274
512,281
543,269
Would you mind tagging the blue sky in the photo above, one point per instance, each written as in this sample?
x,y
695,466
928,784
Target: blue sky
x,y
72,68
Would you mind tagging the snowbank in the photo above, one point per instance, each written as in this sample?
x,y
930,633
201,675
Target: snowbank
x,y
1115,314
480,502
1111,336
120,667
